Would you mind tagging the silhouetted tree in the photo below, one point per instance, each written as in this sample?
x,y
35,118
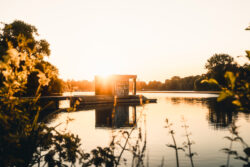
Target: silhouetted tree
x,y
22,37
83,85
217,66
141,85
155,85
173,83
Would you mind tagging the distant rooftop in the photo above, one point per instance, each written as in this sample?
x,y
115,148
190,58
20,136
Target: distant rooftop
x,y
119,76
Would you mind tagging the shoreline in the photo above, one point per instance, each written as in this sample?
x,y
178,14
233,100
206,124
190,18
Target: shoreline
x,y
198,92
149,91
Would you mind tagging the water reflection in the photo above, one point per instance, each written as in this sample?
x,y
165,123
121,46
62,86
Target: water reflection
x,y
115,117
219,115
187,100
124,129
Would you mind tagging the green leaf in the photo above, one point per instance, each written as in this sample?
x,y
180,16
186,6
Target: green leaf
x,y
171,145
237,103
248,54
224,95
231,78
229,138
210,81
35,119
247,151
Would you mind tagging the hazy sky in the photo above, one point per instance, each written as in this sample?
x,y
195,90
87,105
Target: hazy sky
x,y
155,39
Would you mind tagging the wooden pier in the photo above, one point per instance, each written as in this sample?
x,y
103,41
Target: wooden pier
x,y
111,90
80,101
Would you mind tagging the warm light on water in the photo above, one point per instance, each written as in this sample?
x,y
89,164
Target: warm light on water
x,y
207,123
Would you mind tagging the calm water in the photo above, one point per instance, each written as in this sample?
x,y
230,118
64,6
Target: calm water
x,y
207,122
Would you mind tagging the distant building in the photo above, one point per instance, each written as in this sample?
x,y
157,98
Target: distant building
x,y
114,85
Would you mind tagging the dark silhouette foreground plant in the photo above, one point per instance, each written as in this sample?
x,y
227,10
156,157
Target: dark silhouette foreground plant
x,y
174,145
23,140
188,144
233,129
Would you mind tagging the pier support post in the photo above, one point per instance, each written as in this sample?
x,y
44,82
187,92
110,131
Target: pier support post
x,y
134,91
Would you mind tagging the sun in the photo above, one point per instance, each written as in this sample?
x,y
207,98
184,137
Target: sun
x,y
104,66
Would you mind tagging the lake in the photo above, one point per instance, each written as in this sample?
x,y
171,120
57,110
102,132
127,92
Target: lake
x,y
208,124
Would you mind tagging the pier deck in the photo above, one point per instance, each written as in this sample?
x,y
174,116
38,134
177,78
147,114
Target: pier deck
x,y
82,100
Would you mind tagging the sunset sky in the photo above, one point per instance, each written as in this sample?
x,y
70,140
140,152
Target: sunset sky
x,y
155,39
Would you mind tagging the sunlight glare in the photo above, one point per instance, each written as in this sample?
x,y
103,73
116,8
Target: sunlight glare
x,y
106,68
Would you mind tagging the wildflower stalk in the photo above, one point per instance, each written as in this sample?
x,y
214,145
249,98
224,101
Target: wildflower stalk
x,y
189,142
174,146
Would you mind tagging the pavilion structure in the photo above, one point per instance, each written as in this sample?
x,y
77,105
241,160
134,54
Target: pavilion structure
x,y
115,85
